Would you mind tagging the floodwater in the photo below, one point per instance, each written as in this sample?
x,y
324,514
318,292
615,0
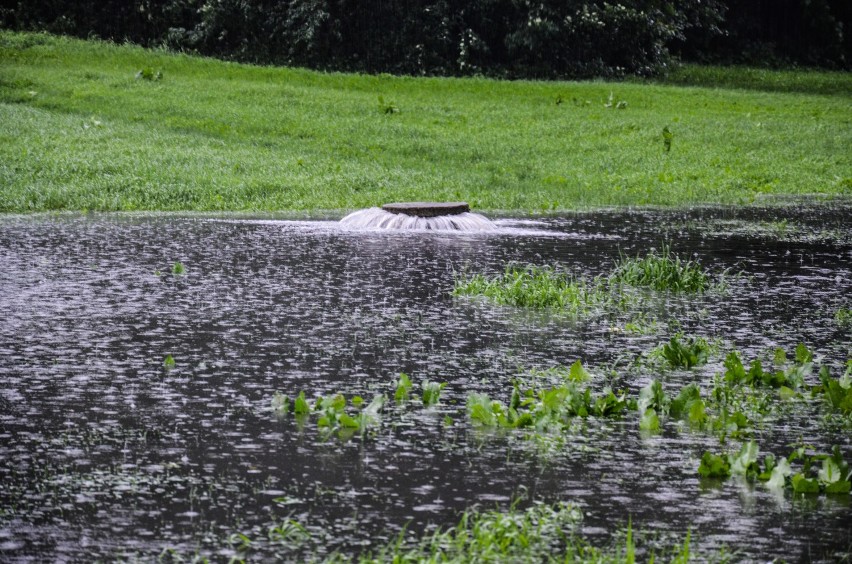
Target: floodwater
x,y
106,454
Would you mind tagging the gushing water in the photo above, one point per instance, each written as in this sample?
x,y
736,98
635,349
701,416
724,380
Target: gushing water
x,y
377,218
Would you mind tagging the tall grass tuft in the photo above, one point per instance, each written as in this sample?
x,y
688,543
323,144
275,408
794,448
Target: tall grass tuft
x,y
535,287
661,271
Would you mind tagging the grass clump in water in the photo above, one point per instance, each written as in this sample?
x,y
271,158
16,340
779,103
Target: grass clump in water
x,y
535,287
692,351
662,271
540,533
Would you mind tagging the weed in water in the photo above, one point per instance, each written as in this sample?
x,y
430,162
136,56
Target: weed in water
x,y
403,388
536,287
178,269
169,362
817,472
431,392
661,271
843,317
693,351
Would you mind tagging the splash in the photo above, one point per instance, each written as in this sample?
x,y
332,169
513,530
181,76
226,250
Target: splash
x,y
419,216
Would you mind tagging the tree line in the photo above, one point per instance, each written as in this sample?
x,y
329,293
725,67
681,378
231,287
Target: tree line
x,y
506,38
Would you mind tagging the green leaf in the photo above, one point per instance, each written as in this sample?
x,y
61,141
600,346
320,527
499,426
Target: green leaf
x,y
652,396
803,355
845,381
301,406
403,387
803,485
785,393
830,472
347,421
357,401
650,421
745,462
169,362
714,466
780,358
780,472
432,392
577,373
841,487
697,414
734,370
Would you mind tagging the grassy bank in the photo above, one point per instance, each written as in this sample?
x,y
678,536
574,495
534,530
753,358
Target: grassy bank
x,y
79,130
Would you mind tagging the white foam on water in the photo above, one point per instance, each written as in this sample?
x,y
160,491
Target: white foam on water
x,y
377,218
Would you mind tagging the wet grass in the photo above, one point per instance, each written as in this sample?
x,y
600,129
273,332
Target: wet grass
x,y
97,126
538,288
662,271
544,287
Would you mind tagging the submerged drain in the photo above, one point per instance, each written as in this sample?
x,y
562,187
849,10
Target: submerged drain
x,y
437,216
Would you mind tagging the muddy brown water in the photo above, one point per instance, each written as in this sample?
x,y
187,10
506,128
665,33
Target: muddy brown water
x,y
105,454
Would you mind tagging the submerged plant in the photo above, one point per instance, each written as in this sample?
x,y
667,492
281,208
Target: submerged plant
x,y
837,393
817,473
788,375
843,317
331,413
693,351
661,271
178,269
544,409
431,392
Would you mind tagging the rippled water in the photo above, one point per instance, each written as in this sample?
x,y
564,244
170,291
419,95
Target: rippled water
x,y
105,454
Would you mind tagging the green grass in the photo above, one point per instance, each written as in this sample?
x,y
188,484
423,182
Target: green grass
x,y
80,131
662,271
536,287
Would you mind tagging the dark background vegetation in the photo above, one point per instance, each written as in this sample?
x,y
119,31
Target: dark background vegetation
x,y
505,38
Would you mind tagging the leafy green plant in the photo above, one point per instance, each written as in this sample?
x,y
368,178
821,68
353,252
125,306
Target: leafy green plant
x,y
838,393
843,317
178,269
668,136
387,107
148,73
789,375
403,388
544,409
431,392
818,473
661,271
169,362
692,352
714,466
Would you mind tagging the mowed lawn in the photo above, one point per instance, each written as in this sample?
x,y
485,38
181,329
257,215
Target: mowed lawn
x,y
80,130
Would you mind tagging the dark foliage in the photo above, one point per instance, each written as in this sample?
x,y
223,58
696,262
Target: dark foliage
x,y
510,38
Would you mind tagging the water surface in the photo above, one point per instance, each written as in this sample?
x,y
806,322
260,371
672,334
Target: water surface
x,y
106,454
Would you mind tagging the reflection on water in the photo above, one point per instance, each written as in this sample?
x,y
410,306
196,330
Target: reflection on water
x,y
104,452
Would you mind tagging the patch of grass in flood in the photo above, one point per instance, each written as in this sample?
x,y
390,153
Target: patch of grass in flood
x,y
662,271
538,287
541,532
544,287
